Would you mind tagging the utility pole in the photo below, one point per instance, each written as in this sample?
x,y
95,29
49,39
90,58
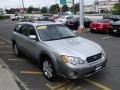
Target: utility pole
x,y
118,1
81,10
23,6
73,3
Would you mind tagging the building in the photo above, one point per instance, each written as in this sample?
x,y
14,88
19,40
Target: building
x,y
1,11
105,6
101,7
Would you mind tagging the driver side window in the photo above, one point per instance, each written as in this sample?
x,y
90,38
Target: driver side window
x,y
31,30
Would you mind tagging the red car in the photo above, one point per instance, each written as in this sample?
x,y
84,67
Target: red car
x,y
101,25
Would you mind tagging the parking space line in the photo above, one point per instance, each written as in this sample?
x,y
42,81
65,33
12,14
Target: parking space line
x,y
5,52
5,46
64,86
16,60
32,72
106,37
5,39
58,86
103,87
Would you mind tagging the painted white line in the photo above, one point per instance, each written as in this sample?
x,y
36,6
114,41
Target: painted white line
x,y
5,46
32,72
6,52
16,60
5,39
106,37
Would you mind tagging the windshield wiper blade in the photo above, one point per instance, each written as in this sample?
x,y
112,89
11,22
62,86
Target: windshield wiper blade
x,y
68,37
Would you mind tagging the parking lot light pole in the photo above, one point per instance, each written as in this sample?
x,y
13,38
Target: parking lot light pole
x,y
81,10
23,6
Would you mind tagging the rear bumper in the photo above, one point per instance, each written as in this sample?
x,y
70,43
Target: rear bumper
x,y
74,72
99,29
114,31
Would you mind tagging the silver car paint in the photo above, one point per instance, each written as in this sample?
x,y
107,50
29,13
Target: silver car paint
x,y
76,47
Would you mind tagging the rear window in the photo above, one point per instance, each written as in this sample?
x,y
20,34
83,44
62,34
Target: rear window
x,y
18,26
103,20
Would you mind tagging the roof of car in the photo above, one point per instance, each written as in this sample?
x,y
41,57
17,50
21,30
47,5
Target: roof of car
x,y
37,23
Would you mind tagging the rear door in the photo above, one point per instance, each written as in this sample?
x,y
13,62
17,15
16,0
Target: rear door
x,y
20,36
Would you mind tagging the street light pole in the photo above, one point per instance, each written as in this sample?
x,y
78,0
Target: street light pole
x,y
23,6
81,10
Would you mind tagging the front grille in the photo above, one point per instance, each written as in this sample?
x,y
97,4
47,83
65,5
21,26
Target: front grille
x,y
94,58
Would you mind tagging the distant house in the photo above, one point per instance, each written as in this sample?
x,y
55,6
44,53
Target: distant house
x,y
1,11
103,6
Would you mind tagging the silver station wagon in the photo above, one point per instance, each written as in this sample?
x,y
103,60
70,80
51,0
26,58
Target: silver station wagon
x,y
58,50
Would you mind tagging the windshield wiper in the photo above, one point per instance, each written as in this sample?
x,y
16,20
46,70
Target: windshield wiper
x,y
68,37
53,39
60,38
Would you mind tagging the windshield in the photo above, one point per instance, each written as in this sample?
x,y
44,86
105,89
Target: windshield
x,y
54,32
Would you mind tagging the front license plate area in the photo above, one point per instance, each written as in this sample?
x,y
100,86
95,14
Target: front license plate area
x,y
98,67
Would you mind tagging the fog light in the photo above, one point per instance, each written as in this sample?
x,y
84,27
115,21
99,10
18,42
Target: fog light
x,y
71,74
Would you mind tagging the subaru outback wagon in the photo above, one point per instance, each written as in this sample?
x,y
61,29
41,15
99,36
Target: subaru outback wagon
x,y
58,50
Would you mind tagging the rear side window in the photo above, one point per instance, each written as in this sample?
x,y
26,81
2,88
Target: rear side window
x,y
17,27
23,30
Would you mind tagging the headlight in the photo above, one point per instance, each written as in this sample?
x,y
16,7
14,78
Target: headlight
x,y
72,60
103,53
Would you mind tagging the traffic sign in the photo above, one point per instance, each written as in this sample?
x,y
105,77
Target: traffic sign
x,y
63,2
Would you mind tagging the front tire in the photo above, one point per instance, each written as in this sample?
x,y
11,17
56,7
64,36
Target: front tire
x,y
48,69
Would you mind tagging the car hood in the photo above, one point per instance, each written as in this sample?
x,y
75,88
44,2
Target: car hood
x,y
77,47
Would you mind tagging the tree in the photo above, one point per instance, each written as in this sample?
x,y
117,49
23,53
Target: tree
x,y
65,8
54,9
44,10
116,9
76,7
30,9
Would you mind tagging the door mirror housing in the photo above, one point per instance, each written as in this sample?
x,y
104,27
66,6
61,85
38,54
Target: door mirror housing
x,y
32,37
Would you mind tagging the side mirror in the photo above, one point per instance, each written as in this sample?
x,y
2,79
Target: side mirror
x,y
32,37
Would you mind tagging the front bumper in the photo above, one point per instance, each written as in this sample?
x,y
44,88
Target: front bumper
x,y
74,72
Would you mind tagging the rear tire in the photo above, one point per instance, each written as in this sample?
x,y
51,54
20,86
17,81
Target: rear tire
x,y
111,33
92,31
16,50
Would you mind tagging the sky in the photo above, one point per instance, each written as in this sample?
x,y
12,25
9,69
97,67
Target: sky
x,y
35,3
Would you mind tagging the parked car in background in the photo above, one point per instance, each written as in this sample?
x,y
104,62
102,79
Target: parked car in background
x,y
64,19
115,28
60,14
16,17
74,23
101,25
44,18
112,17
58,50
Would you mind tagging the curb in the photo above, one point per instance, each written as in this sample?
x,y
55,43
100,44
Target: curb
x,y
18,82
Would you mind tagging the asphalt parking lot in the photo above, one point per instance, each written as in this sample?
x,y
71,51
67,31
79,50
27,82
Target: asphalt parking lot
x,y
30,74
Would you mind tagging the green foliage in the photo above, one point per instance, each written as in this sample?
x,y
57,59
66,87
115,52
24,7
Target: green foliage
x,y
30,9
54,9
44,10
116,9
76,7
4,17
65,8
